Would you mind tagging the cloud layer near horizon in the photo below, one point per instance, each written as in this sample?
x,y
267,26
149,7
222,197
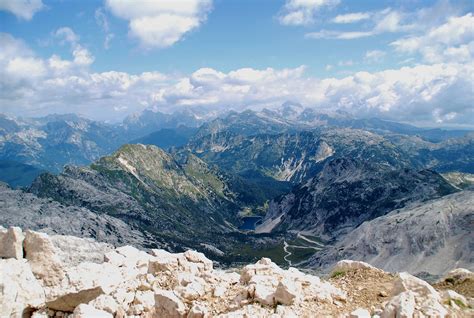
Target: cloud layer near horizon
x,y
438,93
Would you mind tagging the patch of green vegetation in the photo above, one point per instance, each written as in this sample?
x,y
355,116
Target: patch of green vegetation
x,y
276,253
338,274
300,254
458,302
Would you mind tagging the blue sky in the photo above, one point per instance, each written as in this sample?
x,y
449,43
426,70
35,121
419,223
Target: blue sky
x,y
238,54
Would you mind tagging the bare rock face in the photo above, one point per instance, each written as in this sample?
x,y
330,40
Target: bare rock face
x,y
414,295
63,276
43,258
168,304
20,292
83,311
346,265
11,243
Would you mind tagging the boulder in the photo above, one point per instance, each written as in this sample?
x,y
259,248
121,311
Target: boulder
x,y
459,274
72,250
43,258
360,313
400,306
420,288
264,267
427,299
264,294
20,292
450,295
287,292
348,265
82,284
134,257
11,243
106,303
198,311
87,311
164,261
168,304
146,299
199,258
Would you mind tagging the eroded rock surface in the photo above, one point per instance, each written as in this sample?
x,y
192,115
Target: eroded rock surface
x,y
64,276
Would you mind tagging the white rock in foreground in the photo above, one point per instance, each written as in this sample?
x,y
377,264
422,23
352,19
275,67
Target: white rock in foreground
x,y
75,278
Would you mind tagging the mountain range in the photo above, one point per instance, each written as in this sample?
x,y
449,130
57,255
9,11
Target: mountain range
x,y
307,182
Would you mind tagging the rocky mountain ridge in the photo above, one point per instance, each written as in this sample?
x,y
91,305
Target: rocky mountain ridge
x,y
51,142
347,192
430,237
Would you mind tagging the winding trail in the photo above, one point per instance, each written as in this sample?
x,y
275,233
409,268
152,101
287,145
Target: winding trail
x,y
301,236
288,253
318,247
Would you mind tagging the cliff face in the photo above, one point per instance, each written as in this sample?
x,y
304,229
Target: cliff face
x,y
348,192
45,276
432,236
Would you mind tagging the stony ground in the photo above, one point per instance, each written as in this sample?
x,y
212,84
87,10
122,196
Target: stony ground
x,y
64,276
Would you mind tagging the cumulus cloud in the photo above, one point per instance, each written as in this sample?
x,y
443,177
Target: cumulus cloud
x,y
303,12
352,17
160,24
82,56
438,93
23,9
451,41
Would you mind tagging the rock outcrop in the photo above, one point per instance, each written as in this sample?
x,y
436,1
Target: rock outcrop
x,y
432,237
64,276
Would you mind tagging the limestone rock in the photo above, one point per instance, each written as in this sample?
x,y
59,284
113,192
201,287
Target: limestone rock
x,y
106,303
11,243
360,313
449,296
20,292
196,257
73,250
407,282
402,306
198,311
348,265
287,291
459,274
427,299
82,284
87,311
43,258
167,304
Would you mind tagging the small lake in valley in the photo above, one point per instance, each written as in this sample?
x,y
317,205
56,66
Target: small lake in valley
x,y
250,222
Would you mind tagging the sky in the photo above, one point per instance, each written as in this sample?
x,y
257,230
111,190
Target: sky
x,y
408,61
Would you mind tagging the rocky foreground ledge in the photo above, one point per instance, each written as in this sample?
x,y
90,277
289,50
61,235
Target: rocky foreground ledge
x,y
66,276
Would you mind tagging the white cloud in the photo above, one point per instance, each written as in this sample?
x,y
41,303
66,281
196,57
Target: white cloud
x,y
345,63
160,24
439,93
303,12
82,56
383,21
352,17
24,9
66,34
451,41
374,56
102,21
326,34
